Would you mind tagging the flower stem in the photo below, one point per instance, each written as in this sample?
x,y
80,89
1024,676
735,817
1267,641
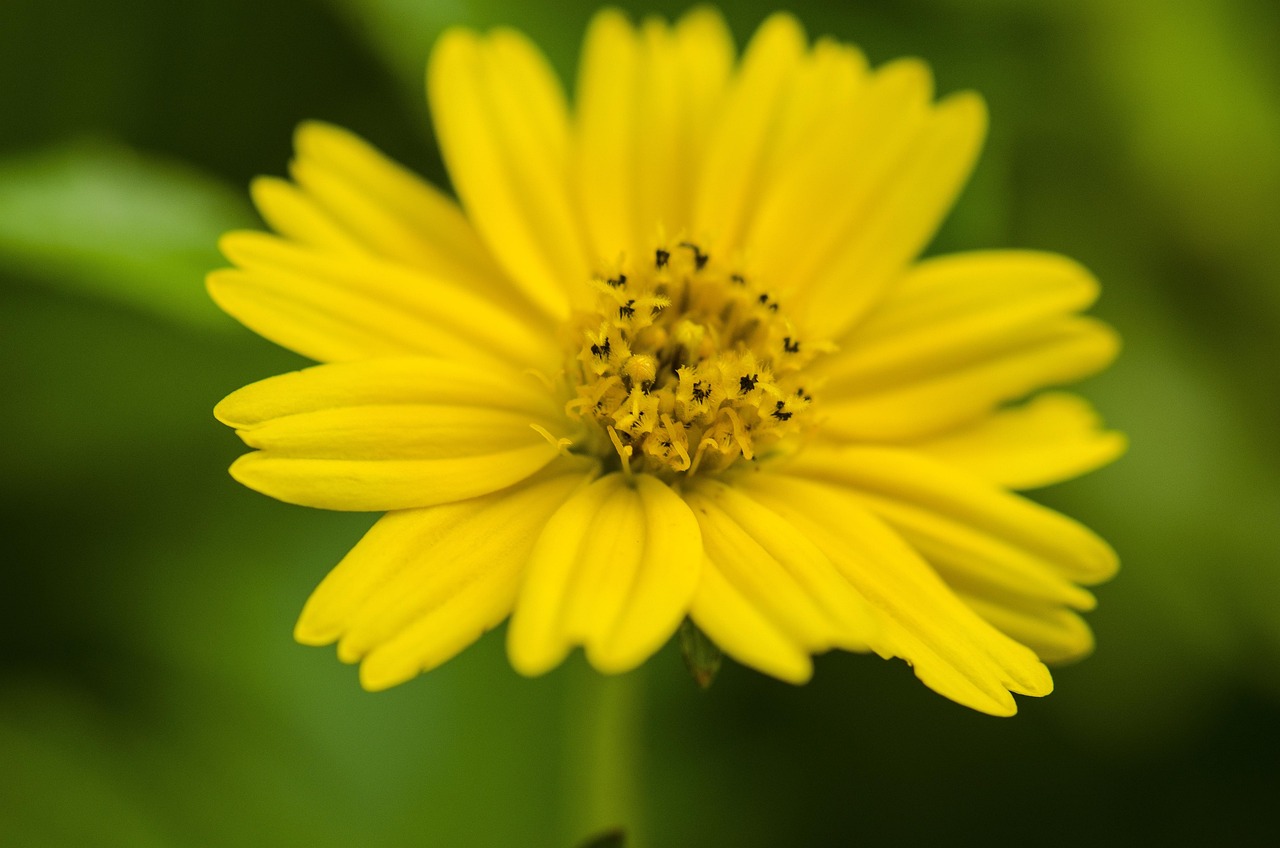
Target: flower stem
x,y
603,715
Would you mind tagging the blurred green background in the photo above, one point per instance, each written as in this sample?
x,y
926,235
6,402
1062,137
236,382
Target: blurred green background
x,y
152,694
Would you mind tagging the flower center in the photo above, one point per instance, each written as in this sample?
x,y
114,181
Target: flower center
x,y
684,366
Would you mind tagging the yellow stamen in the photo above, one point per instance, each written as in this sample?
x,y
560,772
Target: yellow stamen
x,y
681,351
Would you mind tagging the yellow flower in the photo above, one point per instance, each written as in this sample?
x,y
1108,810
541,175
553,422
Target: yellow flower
x,y
672,355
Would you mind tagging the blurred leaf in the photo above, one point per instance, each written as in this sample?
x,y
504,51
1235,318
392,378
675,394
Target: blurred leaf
x,y
109,223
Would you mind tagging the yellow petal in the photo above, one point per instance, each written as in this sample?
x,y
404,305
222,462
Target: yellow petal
x,y
809,210
944,393
364,436
614,571
961,510
1056,634
960,309
779,572
425,583
902,210
1053,437
951,649
738,626
975,562
608,133
407,380
730,178
502,123
298,217
335,308
643,104
392,213
706,53
813,121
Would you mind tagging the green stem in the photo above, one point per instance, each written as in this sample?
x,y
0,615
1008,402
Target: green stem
x,y
602,721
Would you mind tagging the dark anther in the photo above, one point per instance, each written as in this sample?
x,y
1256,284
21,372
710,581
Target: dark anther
x,y
746,384
627,310
645,386
738,278
656,309
662,257
617,282
789,346
764,298
700,392
800,394
699,258
601,350
773,307
780,413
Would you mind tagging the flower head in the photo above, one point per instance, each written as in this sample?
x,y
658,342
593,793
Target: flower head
x,y
673,354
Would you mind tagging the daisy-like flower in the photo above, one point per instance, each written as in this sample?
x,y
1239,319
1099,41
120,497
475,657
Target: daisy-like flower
x,y
672,354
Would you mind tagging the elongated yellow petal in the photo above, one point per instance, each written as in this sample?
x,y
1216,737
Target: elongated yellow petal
x,y
393,380
389,432
809,209
815,119
1053,437
608,133
298,217
394,215
961,308
737,625
425,583
614,570
503,128
644,105
976,562
335,308
958,336
955,502
706,50
951,649
943,394
900,216
365,436
366,485
774,568
1056,634
730,178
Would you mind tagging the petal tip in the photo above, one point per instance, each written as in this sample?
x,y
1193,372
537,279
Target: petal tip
x,y
311,633
527,656
378,676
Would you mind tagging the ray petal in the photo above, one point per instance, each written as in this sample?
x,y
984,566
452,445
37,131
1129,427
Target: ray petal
x,y
948,509
772,566
952,649
646,99
389,434
1054,437
425,583
614,570
503,126
334,308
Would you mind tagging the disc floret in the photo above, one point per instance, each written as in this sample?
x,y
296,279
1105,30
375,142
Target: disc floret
x,y
685,366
